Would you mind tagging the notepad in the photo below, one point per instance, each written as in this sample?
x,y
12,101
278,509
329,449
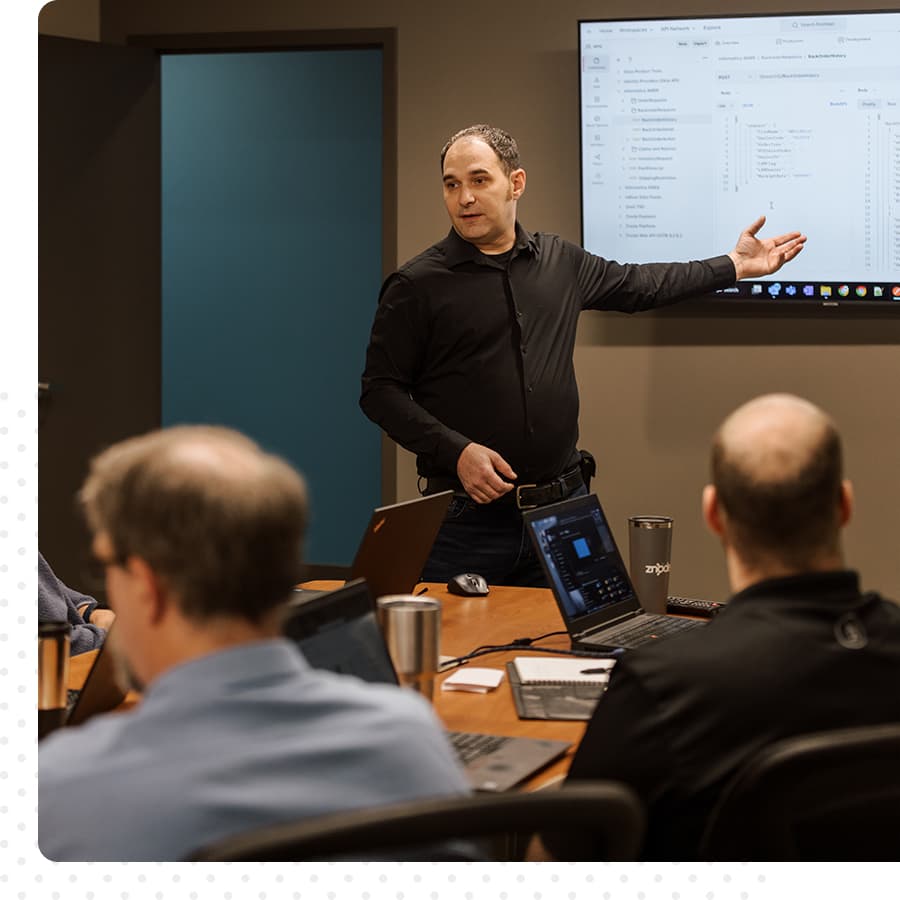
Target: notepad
x,y
557,688
541,670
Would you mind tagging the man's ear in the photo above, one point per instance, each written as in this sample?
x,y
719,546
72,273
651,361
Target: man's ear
x,y
517,183
712,515
148,589
846,501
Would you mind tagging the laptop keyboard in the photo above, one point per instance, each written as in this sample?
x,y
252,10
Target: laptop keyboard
x,y
633,635
470,747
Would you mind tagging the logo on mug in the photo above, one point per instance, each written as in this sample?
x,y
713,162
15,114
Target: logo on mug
x,y
657,568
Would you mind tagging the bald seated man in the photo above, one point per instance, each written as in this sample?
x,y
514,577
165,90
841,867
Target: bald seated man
x,y
799,648
200,534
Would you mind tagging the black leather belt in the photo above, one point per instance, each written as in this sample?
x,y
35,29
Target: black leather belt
x,y
527,496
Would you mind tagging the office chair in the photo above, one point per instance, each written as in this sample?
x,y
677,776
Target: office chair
x,y
426,829
832,795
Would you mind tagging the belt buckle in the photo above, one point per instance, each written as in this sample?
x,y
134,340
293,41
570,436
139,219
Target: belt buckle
x,y
519,489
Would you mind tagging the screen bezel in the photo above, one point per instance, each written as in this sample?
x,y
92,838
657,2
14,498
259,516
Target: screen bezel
x,y
718,303
579,624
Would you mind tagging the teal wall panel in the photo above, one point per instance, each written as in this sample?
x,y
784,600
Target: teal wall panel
x,y
271,257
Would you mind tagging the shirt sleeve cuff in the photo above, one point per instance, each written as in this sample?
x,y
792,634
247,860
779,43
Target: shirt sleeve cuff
x,y
452,444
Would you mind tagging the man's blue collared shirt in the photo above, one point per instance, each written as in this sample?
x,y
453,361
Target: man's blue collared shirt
x,y
239,739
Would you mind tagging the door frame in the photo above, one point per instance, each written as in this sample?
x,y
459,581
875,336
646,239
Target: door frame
x,y
384,39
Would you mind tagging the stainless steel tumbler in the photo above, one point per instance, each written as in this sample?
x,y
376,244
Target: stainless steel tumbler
x,y
412,630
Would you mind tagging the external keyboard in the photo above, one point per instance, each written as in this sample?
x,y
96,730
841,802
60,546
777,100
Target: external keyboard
x,y
689,606
470,747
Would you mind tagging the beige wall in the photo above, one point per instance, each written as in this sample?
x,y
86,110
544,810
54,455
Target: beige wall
x,y
652,387
71,18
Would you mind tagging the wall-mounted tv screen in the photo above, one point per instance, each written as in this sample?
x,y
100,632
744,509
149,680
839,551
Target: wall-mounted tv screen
x,y
691,128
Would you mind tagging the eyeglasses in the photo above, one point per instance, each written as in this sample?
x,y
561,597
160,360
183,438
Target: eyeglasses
x,y
95,570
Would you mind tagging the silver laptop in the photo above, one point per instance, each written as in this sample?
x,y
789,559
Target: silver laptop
x,y
337,630
590,582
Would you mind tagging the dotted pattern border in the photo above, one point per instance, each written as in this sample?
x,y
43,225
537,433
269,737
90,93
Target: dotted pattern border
x,y
24,873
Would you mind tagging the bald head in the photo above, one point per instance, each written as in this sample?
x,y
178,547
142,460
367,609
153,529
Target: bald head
x,y
776,468
774,437
220,520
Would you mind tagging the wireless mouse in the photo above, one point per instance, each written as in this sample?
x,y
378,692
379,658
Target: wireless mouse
x,y
468,584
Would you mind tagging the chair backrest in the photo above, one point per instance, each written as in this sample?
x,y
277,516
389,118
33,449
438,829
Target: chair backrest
x,y
609,811
832,795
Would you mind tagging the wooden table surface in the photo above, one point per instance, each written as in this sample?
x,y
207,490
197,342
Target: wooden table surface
x,y
500,618
79,666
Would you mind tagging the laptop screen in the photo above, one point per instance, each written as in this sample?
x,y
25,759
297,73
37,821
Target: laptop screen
x,y
337,630
581,559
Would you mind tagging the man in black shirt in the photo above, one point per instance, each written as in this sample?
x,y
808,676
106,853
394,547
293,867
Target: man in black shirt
x,y
470,360
797,649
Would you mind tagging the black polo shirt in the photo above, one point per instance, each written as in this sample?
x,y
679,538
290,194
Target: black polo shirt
x,y
468,347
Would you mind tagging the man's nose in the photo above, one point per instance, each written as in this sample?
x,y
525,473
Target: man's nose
x,y
466,197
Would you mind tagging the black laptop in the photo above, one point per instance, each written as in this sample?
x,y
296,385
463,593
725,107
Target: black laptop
x,y
102,690
590,582
396,544
338,631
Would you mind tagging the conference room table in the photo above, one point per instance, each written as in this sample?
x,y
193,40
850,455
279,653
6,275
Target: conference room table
x,y
506,614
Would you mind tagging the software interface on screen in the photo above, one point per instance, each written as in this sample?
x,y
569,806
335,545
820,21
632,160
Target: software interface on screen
x,y
692,128
582,559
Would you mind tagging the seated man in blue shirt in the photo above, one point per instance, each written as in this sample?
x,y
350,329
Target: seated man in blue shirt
x,y
200,534
799,648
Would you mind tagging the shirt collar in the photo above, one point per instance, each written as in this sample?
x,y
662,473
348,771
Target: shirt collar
x,y
217,672
458,250
815,587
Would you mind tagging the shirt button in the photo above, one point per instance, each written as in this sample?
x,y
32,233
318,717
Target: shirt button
x,y
524,349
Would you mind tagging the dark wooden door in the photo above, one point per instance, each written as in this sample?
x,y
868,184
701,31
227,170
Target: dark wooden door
x,y
99,270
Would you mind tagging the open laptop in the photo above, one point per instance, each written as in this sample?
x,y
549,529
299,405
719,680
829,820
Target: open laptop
x,y
101,691
395,545
337,630
590,582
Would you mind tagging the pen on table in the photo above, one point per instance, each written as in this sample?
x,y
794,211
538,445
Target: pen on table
x,y
594,671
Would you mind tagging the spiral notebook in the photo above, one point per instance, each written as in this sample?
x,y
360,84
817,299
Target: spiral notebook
x,y
557,688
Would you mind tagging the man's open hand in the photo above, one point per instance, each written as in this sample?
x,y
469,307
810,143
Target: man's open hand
x,y
754,258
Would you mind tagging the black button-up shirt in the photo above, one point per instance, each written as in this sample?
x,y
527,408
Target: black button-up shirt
x,y
465,347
